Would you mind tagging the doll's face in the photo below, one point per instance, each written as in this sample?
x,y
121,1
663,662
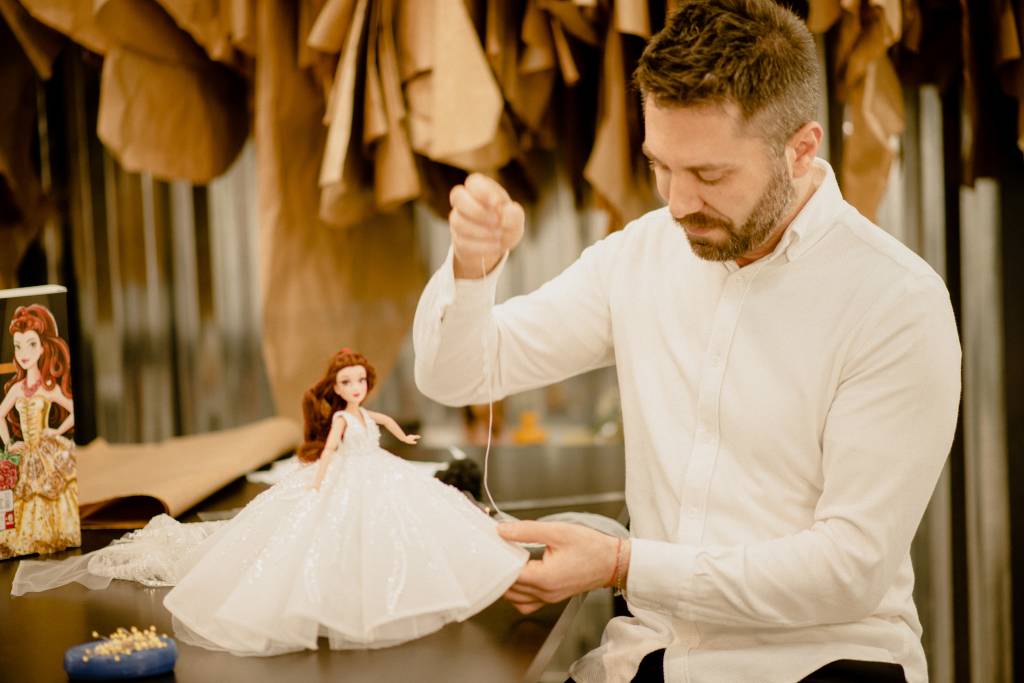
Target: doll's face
x,y
350,384
27,348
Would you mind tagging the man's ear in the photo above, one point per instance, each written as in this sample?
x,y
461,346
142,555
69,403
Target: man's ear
x,y
803,147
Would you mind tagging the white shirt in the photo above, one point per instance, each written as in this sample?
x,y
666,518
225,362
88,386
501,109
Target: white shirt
x,y
785,425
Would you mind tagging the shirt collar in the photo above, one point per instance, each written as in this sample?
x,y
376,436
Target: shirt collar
x,y
814,219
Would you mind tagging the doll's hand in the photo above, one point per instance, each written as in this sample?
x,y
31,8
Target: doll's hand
x,y
484,223
50,431
410,439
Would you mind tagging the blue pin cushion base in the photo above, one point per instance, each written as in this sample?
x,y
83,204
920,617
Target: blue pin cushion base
x,y
138,664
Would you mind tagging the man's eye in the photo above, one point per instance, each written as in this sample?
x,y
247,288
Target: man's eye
x,y
710,178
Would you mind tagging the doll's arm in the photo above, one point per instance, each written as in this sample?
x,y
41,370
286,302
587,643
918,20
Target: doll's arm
x,y
67,404
5,408
392,426
334,437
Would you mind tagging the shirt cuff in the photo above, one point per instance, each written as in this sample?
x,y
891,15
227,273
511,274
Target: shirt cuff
x,y
448,304
658,573
474,292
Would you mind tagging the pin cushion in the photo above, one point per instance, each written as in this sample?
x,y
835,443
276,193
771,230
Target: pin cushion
x,y
124,654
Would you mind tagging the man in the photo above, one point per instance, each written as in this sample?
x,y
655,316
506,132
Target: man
x,y
789,377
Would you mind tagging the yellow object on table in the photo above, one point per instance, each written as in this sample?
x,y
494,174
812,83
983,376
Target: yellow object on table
x,y
529,430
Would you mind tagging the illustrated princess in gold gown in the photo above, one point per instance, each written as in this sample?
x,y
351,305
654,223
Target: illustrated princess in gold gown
x,y
45,497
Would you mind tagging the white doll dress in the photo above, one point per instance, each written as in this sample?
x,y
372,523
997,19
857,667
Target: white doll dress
x,y
383,553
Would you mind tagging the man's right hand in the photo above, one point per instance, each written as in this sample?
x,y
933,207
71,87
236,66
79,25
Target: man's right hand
x,y
485,223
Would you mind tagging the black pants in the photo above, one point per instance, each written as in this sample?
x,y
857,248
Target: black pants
x,y
841,671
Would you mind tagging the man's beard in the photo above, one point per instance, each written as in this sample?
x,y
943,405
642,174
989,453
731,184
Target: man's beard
x,y
764,218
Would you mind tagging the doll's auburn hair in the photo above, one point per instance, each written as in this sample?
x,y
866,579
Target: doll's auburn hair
x,y
320,402
54,363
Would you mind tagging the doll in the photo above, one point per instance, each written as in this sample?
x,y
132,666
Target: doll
x,y
46,493
358,545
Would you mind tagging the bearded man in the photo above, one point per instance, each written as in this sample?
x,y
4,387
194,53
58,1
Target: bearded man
x,y
789,376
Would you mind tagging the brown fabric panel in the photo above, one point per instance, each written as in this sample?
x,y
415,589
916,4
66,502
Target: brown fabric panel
x,y
1008,63
346,176
73,18
566,61
456,110
209,23
171,120
823,14
375,116
165,108
241,17
143,27
396,178
323,288
175,474
522,51
39,43
867,82
620,180
578,21
633,17
331,26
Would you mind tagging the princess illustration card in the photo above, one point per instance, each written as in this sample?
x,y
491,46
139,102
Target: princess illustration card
x,y
38,474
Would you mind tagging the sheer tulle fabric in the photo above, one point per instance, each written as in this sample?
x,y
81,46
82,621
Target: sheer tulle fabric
x,y
381,554
153,556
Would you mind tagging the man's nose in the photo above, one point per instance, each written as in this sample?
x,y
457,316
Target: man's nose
x,y
684,195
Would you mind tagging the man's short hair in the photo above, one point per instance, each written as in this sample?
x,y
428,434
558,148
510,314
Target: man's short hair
x,y
752,53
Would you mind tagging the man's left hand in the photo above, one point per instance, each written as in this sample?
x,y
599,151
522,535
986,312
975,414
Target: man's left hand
x,y
576,560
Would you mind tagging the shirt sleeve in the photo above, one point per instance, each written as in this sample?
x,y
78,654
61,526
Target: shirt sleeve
x,y
884,442
462,342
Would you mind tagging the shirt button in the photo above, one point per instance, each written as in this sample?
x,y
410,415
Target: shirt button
x,y
692,510
716,360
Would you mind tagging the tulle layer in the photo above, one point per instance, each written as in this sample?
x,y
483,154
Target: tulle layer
x,y
382,554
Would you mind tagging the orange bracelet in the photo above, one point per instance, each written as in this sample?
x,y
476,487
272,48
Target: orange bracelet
x,y
620,574
615,570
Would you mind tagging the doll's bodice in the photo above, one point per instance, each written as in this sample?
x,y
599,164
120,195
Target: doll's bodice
x,y
34,415
359,436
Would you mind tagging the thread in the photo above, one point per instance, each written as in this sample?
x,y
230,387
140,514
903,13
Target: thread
x,y
498,513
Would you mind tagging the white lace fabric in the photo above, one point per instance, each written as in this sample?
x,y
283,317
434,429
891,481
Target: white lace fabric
x,y
155,555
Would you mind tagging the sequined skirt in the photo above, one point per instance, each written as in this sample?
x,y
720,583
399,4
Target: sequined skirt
x,y
45,467
380,555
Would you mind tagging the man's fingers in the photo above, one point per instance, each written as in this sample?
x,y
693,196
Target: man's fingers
x,y
486,190
536,578
529,531
464,228
528,607
513,218
518,593
472,208
523,602
484,223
